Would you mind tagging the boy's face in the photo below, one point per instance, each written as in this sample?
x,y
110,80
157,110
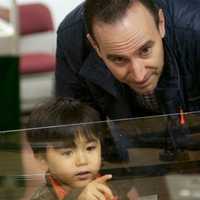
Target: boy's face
x,y
75,166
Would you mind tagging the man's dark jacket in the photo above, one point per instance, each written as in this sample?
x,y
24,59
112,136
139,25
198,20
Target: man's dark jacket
x,y
80,73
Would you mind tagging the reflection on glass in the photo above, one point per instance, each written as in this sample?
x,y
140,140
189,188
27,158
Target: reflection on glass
x,y
76,157
183,187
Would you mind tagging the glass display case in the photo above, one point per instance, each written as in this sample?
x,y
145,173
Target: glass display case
x,y
163,156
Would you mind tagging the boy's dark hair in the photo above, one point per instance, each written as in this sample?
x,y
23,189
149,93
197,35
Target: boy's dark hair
x,y
109,11
57,122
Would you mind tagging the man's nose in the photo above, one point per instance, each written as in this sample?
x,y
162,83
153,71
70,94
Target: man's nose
x,y
138,70
81,158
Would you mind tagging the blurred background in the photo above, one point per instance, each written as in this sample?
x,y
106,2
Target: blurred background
x,y
59,8
28,41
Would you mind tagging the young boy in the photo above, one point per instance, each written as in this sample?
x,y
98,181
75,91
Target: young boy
x,y
68,145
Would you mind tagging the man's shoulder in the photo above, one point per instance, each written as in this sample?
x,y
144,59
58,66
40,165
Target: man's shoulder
x,y
73,19
182,14
186,14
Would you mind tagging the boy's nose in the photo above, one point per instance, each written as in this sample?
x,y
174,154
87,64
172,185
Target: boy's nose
x,y
81,158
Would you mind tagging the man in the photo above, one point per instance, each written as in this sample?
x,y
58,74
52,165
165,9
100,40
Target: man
x,y
130,58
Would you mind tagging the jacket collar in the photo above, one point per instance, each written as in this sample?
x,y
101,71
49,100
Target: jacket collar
x,y
57,188
170,78
94,70
169,89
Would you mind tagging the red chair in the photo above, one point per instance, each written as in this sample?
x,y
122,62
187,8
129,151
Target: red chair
x,y
37,54
33,19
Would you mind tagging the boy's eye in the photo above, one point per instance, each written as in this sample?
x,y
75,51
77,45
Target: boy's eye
x,y
91,147
67,153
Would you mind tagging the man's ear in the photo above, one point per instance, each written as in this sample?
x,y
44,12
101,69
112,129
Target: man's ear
x,y
161,24
94,44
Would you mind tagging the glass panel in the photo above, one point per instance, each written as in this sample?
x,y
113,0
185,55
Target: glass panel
x,y
162,151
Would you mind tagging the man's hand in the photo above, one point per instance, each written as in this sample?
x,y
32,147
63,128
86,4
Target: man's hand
x,y
97,190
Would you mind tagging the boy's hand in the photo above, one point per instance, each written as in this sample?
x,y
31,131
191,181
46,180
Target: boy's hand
x,y
97,190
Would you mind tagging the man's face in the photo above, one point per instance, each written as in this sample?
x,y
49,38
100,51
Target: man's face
x,y
132,48
75,166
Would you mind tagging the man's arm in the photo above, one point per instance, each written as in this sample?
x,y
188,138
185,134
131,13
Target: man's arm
x,y
66,78
186,22
72,50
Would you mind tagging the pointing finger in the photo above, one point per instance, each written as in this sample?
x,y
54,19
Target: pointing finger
x,y
104,178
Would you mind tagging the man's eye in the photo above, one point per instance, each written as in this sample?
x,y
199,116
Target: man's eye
x,y
145,51
91,148
118,60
